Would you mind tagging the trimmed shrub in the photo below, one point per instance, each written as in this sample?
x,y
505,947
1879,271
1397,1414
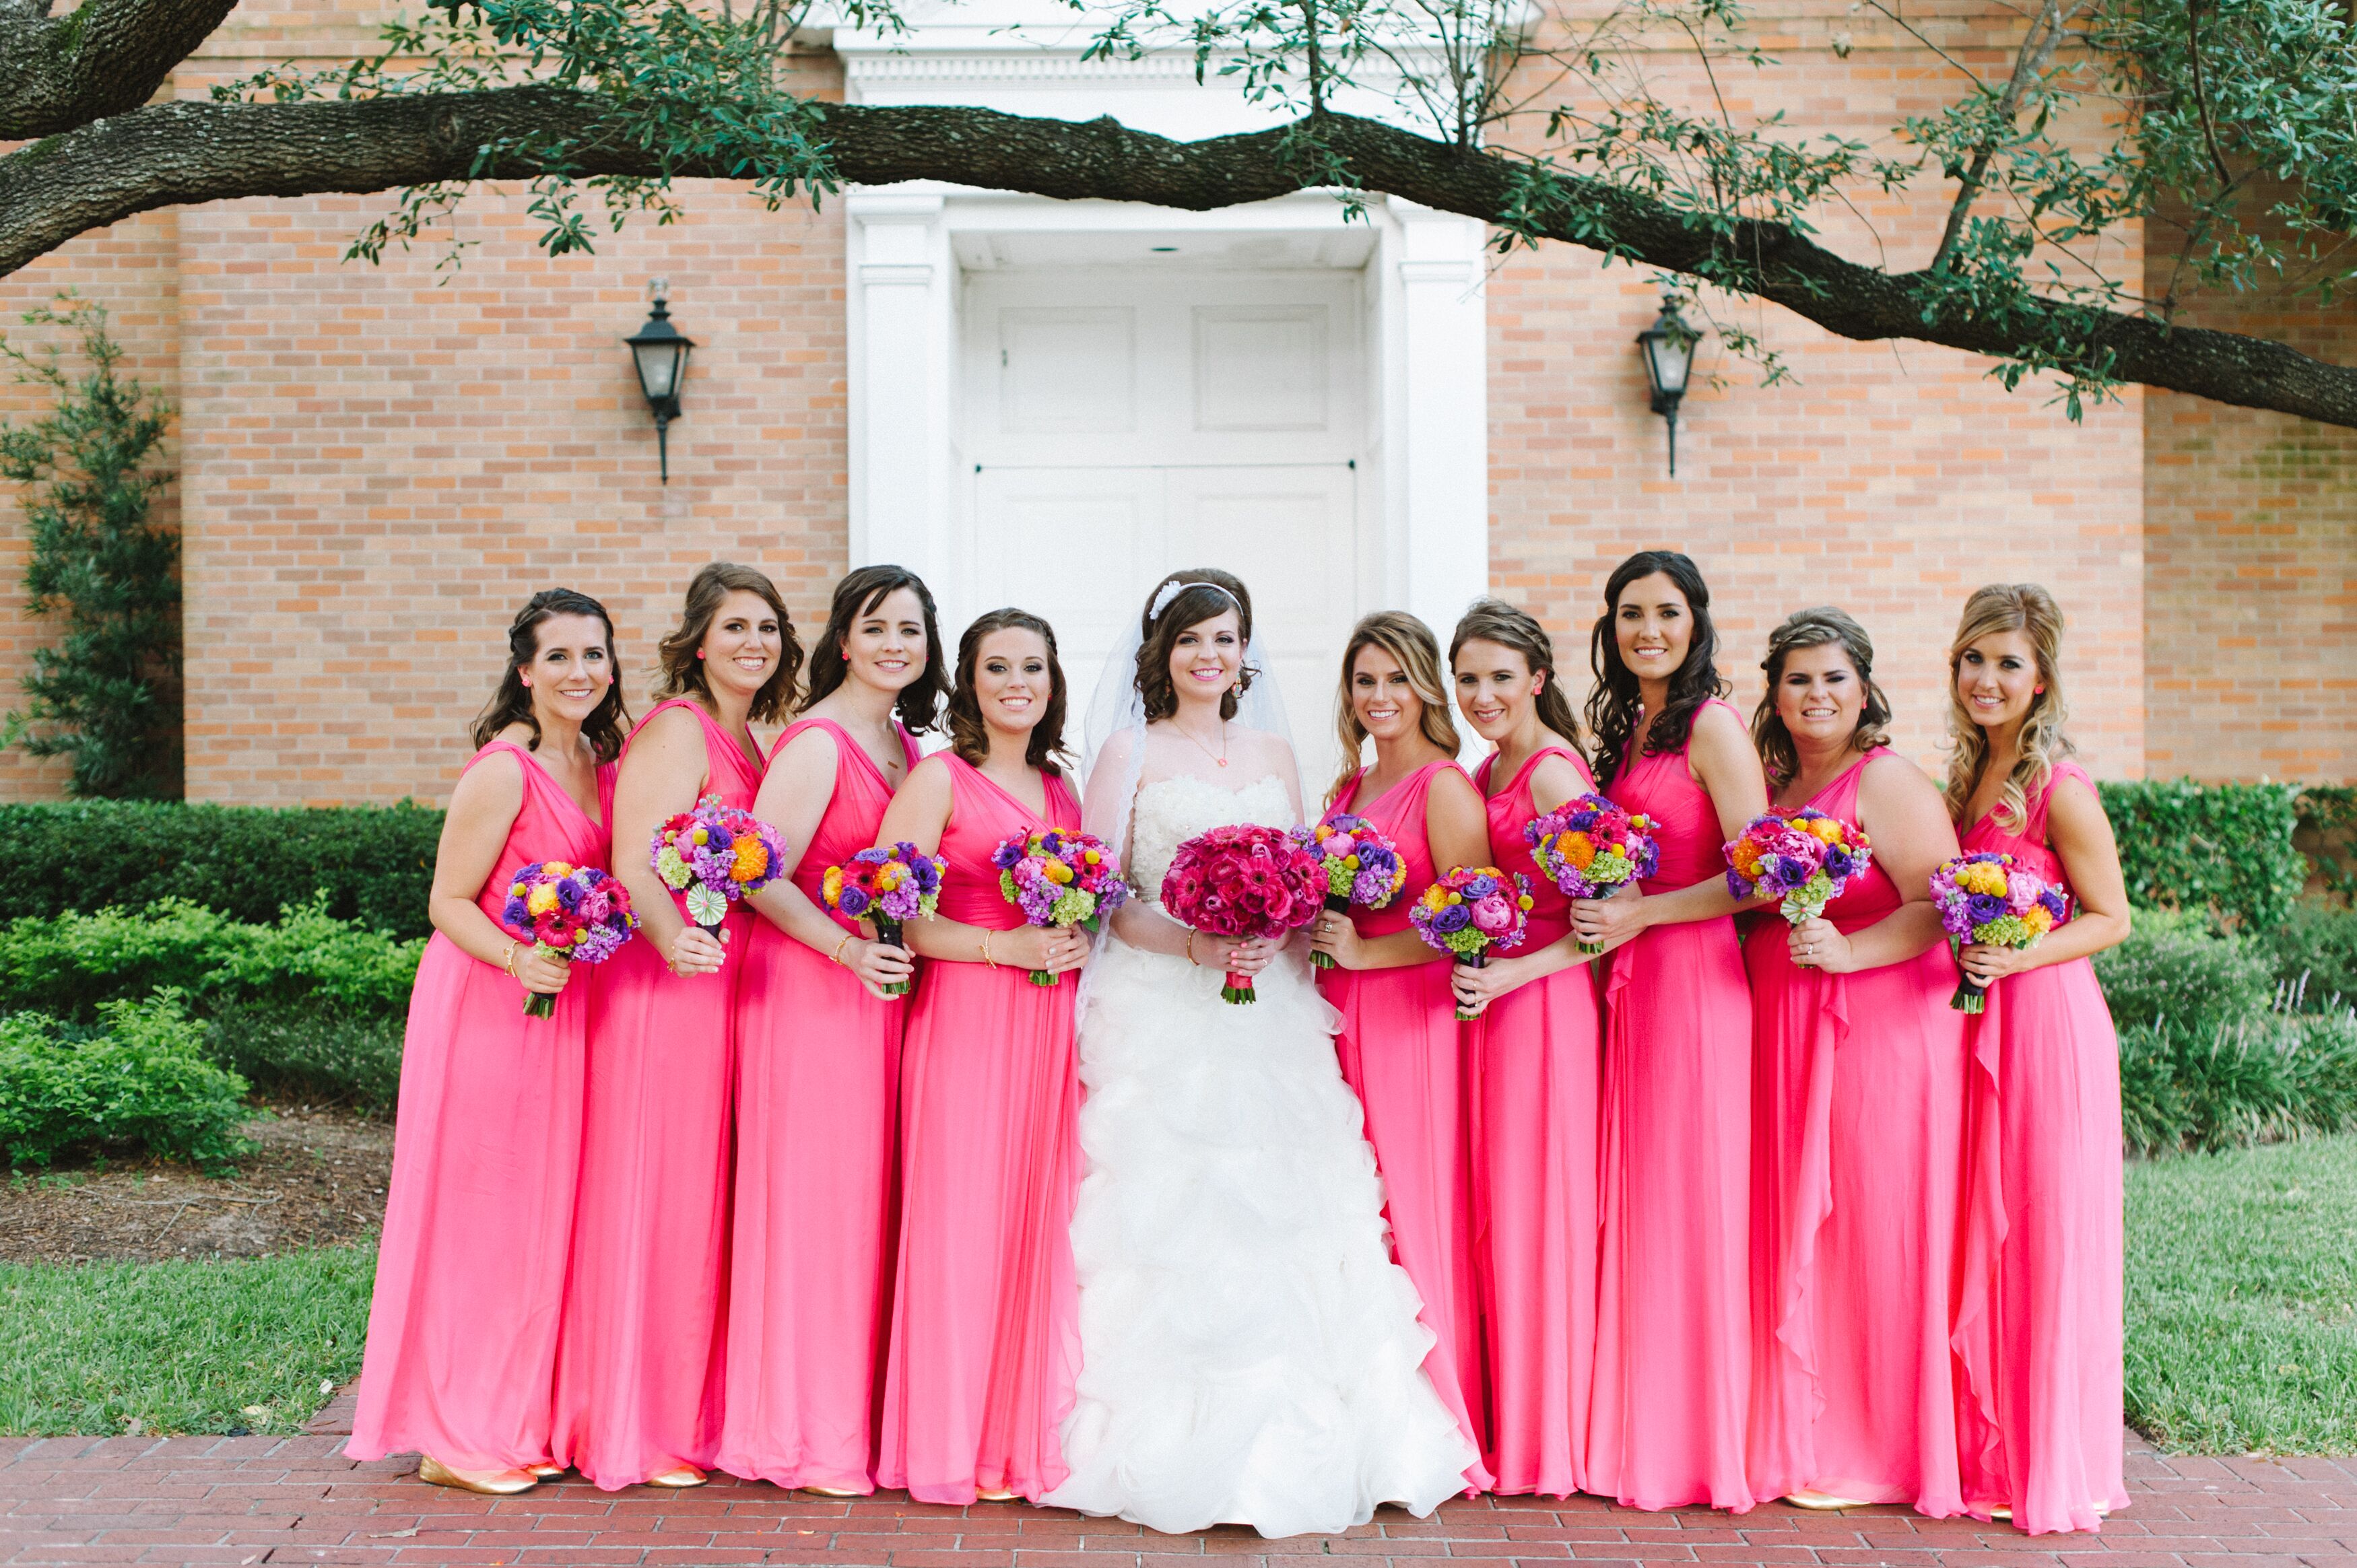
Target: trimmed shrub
x,y
141,1079
2274,1076
319,1055
2328,837
2174,970
2225,849
374,864
2314,952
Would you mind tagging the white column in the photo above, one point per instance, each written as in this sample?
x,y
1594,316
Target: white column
x,y
902,279
1436,424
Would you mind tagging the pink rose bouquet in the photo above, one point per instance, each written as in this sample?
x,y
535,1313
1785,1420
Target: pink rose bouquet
x,y
1361,867
1471,912
1990,899
1587,846
715,855
576,913
1058,878
1243,881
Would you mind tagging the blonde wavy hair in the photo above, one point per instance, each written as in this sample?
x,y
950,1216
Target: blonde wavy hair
x,y
2029,609
1411,642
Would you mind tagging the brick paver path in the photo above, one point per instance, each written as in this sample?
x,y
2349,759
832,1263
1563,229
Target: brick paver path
x,y
244,1500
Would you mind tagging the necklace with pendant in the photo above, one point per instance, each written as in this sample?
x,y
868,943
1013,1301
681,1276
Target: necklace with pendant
x,y
1214,756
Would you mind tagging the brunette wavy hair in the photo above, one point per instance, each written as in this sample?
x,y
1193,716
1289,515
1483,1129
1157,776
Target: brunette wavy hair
x,y
1209,592
969,735
2029,609
856,595
1612,702
1410,642
511,701
683,675
1494,621
1816,629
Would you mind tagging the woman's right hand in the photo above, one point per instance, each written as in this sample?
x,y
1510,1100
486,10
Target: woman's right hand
x,y
542,971
696,951
1053,948
878,965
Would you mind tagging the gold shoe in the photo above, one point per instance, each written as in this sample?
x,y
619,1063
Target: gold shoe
x,y
830,1492
682,1476
994,1496
545,1472
490,1483
2002,1514
1807,1497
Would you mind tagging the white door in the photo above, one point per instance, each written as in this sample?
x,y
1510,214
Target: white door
x,y
1122,425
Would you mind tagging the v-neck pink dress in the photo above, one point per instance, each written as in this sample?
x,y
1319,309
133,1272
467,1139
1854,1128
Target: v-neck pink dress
x,y
818,1064
985,1307
1403,1054
1673,1326
1857,1127
484,1166
1533,1094
638,1372
2041,1431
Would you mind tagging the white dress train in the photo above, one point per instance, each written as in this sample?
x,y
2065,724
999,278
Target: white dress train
x,y
1250,1353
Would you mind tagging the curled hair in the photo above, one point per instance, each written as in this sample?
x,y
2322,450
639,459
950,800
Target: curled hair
x,y
1816,629
1411,643
1209,593
510,701
1613,701
1494,621
969,734
2029,609
683,675
856,595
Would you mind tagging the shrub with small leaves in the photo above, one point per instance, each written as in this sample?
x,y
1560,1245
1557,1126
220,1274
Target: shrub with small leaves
x,y
2225,849
140,1079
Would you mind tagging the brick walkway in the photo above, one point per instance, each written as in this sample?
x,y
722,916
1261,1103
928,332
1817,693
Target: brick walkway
x,y
244,1500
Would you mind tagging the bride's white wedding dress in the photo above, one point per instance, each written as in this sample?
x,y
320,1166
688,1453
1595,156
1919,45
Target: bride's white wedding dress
x,y
1250,1353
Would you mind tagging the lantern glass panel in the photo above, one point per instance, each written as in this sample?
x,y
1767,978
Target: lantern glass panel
x,y
659,366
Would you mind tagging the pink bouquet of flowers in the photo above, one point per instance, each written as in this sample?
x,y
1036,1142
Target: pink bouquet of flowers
x,y
887,887
1991,900
1243,881
1587,846
1058,878
1471,911
1803,856
576,913
1361,867
715,855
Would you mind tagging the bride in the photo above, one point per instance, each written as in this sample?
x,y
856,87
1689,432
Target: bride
x,y
1250,1353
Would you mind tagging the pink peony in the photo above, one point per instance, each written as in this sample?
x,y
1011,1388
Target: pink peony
x,y
1493,915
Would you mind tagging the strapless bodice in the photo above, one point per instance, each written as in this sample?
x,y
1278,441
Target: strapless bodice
x,y
1170,811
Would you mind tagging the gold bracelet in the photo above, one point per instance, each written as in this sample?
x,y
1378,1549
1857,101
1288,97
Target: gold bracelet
x,y
508,963
836,956
1190,947
985,948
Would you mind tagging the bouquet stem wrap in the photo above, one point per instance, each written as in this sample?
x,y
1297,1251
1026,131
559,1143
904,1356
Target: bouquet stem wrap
x,y
888,931
1471,960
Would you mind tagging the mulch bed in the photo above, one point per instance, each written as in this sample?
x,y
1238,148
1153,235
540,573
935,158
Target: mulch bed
x,y
317,1180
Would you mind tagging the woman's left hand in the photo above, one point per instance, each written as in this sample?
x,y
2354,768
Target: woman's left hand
x,y
1477,988
1250,957
1818,944
1338,938
1988,965
1609,922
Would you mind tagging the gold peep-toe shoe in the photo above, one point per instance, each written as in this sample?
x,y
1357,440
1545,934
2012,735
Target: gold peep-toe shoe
x,y
685,1475
994,1496
1807,1497
490,1483
829,1491
545,1472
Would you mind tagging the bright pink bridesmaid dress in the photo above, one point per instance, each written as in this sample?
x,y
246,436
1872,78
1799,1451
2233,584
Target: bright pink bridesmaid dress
x,y
478,1222
985,1308
818,1062
1672,1327
2041,1429
1534,1089
1857,1127
1403,1054
640,1370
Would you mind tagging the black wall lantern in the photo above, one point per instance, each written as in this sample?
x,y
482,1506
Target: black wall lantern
x,y
661,352
1667,347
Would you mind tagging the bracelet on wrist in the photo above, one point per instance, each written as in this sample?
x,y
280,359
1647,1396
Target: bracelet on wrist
x,y
508,963
1190,947
836,956
985,950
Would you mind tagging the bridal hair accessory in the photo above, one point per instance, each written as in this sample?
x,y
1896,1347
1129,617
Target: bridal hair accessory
x,y
1172,590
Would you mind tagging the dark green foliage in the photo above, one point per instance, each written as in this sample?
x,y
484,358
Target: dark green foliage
x,y
2175,969
139,1079
108,695
374,863
321,1055
2328,836
2315,950
2225,849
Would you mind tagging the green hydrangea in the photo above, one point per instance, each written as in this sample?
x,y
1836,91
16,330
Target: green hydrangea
x,y
671,868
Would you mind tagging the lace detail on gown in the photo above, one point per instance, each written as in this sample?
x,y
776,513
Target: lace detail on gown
x,y
1250,1353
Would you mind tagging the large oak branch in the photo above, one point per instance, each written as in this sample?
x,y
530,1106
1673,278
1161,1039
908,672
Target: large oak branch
x,y
103,58
175,153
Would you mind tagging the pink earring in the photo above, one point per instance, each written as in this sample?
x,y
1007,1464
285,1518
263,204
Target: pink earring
x,y
525,679
699,653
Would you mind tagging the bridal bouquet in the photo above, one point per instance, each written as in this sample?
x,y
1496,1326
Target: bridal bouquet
x,y
1587,846
1471,911
1803,856
715,855
1058,878
1361,867
1243,881
1990,899
888,888
576,912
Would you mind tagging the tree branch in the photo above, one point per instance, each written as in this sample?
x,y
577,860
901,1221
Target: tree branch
x,y
2029,66
176,153
107,57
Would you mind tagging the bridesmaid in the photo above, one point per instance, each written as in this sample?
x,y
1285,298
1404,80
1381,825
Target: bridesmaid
x,y
818,1048
985,1334
2041,1431
1673,1348
1858,1094
639,1378
488,1152
1534,1075
1401,1049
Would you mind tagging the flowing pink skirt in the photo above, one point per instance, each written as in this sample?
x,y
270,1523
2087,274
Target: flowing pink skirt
x,y
1672,1319
481,1212
985,1307
1858,1136
1535,1088
818,1059
639,1373
1404,1054
2041,1429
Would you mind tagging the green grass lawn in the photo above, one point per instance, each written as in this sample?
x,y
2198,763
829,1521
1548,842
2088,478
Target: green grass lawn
x,y
2241,1299
180,1347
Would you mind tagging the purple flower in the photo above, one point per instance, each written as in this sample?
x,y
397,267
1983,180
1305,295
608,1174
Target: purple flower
x,y
1452,918
568,893
516,913
1006,856
1983,907
853,901
2056,904
1479,888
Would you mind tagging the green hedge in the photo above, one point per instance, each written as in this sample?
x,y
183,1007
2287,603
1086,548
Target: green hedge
x,y
2328,837
139,1079
373,862
2225,849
